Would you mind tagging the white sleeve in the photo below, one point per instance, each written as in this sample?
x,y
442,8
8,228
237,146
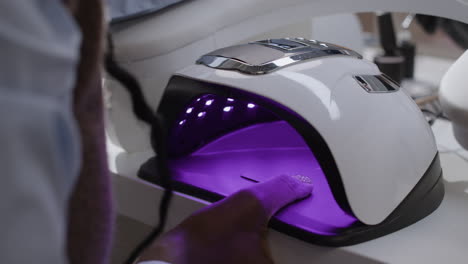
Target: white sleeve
x,y
39,147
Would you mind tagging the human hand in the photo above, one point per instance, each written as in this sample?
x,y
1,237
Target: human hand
x,y
232,230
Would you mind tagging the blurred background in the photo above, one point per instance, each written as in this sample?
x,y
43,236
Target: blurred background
x,y
437,43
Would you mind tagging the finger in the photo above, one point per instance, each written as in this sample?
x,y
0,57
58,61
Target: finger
x,y
280,191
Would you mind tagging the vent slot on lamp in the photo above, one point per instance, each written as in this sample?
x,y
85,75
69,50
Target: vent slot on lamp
x,y
219,145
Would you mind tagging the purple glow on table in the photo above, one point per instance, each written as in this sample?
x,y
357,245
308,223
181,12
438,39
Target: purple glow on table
x,y
259,152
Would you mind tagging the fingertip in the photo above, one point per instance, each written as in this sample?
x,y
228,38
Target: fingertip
x,y
302,178
280,191
300,185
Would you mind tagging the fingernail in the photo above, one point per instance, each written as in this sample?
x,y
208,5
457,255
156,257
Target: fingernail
x,y
303,179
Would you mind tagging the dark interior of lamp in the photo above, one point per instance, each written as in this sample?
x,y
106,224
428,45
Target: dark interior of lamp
x,y
219,145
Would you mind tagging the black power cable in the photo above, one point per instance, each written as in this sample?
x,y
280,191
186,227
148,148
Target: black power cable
x,y
158,142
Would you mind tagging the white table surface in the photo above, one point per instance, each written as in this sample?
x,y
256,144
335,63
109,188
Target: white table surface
x,y
442,237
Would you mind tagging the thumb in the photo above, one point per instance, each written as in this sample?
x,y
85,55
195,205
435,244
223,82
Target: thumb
x,y
280,191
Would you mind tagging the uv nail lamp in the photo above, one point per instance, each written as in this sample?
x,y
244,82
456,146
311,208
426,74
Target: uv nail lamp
x,y
246,113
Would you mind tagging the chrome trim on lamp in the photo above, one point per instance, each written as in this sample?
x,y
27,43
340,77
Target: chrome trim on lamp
x,y
376,83
295,50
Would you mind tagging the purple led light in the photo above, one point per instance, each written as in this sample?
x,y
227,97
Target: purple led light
x,y
201,114
198,100
182,122
189,110
228,108
230,100
209,102
250,105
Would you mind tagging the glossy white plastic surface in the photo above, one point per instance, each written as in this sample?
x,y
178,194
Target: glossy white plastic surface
x,y
381,142
454,98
